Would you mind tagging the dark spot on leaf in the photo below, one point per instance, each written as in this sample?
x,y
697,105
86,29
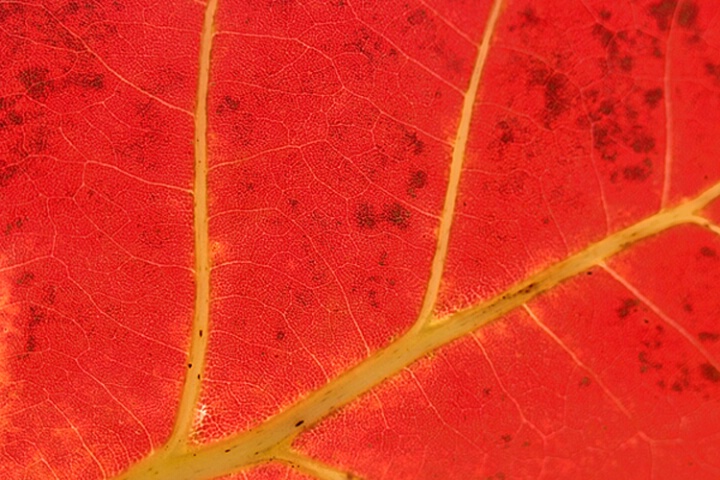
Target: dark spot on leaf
x,y
662,12
708,252
708,336
605,15
303,296
25,278
200,333
643,143
506,135
189,365
92,81
414,142
49,294
397,215
299,423
417,181
626,63
37,316
603,142
30,344
584,381
383,259
15,118
34,80
7,174
506,438
606,107
365,216
417,17
557,97
529,17
14,225
646,364
70,9
280,335
627,307
688,14
653,97
603,34
709,372
231,103
713,70
638,173
32,76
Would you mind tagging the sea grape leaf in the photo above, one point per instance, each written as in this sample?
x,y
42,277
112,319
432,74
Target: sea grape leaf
x,y
461,239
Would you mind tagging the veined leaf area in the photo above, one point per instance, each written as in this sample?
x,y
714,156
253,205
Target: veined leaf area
x,y
355,240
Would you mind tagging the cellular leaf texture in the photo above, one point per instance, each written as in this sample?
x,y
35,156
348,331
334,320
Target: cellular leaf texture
x,y
352,239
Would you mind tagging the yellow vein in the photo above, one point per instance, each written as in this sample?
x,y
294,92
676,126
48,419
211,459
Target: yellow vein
x,y
458,156
667,94
312,467
199,340
268,439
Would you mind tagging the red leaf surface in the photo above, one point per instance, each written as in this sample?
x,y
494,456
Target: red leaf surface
x,y
378,240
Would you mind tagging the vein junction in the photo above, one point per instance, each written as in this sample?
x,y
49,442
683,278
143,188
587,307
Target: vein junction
x,y
199,341
451,193
272,439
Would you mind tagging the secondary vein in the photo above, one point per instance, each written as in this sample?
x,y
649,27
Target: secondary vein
x,y
458,157
199,341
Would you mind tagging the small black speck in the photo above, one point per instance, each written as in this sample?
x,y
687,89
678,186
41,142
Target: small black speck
x,y
201,333
299,423
189,365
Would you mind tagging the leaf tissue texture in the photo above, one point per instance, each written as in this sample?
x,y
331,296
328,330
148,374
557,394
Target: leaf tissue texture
x,y
457,239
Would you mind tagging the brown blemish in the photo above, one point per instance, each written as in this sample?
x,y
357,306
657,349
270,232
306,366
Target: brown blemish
x,y
687,15
628,306
638,173
397,215
710,373
708,336
653,97
417,181
365,216
662,12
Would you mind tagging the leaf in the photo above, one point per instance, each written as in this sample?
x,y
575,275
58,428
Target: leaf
x,y
358,240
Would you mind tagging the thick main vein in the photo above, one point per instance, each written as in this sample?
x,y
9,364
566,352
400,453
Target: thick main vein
x,y
268,440
458,156
199,340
